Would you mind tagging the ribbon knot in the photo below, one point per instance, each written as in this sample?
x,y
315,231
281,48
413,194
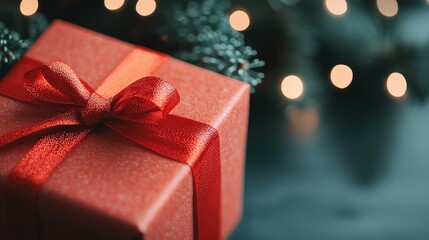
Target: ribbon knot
x,y
96,110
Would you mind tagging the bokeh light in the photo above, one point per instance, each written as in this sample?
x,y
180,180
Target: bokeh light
x,y
239,20
341,76
113,4
28,7
388,8
396,85
336,7
292,87
145,7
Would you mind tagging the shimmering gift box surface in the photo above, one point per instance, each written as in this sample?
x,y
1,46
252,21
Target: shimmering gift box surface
x,y
109,187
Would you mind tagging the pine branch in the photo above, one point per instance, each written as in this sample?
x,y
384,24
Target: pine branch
x,y
206,39
12,47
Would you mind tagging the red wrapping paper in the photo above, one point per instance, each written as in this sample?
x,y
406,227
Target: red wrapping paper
x,y
109,187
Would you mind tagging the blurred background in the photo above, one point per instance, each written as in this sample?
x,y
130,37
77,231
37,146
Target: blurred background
x,y
338,142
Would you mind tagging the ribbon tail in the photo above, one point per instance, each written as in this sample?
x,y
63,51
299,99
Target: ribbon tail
x,y
195,144
26,178
68,118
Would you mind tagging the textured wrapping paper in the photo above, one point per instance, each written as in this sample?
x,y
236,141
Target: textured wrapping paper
x,y
109,187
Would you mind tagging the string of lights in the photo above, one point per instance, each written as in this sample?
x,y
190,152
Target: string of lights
x,y
239,19
341,75
292,86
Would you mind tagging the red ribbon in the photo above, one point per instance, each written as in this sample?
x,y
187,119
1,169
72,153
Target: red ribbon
x,y
140,112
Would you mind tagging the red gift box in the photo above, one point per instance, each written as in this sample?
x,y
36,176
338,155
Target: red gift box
x,y
109,187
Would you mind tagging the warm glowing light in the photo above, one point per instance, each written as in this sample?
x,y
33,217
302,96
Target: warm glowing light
x,y
28,7
239,20
396,85
388,8
113,4
341,76
292,87
145,7
336,7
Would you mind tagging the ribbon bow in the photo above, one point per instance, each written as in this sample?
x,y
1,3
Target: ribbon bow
x,y
140,112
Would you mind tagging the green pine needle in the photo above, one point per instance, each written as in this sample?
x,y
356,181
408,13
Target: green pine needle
x,y
207,39
12,46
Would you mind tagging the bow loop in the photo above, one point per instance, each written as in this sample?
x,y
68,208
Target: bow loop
x,y
56,82
146,101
